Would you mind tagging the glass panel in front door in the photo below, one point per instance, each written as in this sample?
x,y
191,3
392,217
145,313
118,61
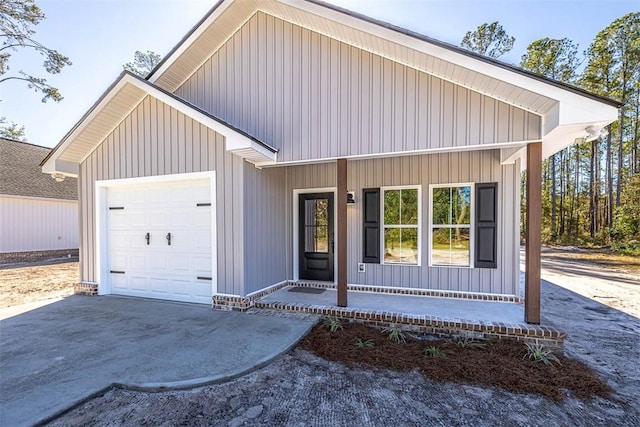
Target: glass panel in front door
x,y
316,227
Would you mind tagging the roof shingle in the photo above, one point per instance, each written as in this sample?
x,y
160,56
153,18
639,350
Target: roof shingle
x,y
21,175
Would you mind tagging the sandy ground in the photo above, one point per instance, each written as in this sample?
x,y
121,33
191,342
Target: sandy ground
x,y
32,283
598,306
615,285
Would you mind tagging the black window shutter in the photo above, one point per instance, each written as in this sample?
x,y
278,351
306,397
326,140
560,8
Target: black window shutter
x,y
371,225
486,225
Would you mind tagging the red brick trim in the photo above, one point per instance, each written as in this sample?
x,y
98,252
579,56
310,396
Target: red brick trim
x,y
430,324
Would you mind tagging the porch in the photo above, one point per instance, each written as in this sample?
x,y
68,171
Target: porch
x,y
487,317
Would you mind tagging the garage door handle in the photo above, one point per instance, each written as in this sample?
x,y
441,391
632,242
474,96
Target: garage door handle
x,y
147,237
169,239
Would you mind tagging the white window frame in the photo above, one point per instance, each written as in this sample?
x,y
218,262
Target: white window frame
x,y
383,225
472,208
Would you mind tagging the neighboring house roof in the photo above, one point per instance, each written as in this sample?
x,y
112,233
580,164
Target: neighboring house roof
x,y
117,102
20,173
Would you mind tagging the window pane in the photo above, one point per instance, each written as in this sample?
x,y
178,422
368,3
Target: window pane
x,y
461,203
441,206
316,225
401,245
450,246
409,245
460,246
409,206
441,246
392,207
316,239
392,245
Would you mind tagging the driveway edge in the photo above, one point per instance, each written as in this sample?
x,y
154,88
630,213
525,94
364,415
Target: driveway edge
x,y
175,385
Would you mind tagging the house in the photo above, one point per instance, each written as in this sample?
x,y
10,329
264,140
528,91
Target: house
x,y
38,215
292,140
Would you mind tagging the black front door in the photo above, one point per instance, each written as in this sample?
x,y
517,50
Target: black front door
x,y
315,234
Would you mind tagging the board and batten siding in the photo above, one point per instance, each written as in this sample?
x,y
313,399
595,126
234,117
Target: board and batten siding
x,y
272,209
37,224
155,139
313,97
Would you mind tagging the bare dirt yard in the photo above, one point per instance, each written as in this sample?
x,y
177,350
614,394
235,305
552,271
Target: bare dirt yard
x,y
23,284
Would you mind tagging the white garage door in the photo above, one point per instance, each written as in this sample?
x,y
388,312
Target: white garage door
x,y
159,240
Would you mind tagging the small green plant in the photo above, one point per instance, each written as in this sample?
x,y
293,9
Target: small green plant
x,y
395,334
538,353
364,344
332,323
466,342
434,351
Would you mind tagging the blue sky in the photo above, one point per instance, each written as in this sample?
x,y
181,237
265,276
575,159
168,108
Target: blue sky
x,y
101,35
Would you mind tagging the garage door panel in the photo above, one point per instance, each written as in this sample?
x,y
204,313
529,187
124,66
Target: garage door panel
x,y
158,262
139,283
119,239
201,217
202,265
157,219
118,219
180,263
137,263
120,281
119,262
137,220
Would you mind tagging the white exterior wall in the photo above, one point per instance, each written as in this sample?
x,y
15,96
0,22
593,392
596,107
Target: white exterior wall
x,y
35,224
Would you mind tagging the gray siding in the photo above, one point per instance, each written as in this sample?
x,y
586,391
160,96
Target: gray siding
x,y
268,214
314,97
156,139
275,209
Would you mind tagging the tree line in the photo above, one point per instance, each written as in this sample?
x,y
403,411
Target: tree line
x,y
591,190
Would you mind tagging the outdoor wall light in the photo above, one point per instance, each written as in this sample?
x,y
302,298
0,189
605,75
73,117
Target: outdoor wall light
x,y
58,177
594,132
351,197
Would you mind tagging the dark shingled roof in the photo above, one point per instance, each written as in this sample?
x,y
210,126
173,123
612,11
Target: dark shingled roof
x,y
21,175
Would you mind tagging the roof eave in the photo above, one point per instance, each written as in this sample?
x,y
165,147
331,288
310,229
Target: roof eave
x,y
53,164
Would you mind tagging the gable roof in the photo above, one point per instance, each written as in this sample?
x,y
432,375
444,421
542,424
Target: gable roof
x,y
20,173
567,111
117,102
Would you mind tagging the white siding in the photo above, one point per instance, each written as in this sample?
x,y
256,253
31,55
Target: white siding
x,y
32,224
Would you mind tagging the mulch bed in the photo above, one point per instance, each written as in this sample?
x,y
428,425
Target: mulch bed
x,y
500,363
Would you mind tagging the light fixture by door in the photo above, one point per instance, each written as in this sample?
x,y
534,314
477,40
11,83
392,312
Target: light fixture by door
x,y
351,197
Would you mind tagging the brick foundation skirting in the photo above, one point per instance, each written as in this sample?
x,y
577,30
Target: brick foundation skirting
x,y
237,303
431,325
33,256
86,288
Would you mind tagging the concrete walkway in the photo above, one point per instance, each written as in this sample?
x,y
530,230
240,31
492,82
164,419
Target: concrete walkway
x,y
59,354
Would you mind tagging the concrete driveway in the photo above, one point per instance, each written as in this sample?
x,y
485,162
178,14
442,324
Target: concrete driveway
x,y
57,355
